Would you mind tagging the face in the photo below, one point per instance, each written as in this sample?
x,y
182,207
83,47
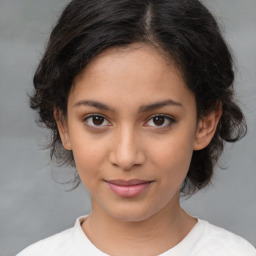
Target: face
x,y
131,124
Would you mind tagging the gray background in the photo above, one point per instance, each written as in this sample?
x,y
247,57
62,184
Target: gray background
x,y
32,205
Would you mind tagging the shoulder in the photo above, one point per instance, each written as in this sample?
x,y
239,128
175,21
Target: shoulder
x,y
48,246
70,242
219,241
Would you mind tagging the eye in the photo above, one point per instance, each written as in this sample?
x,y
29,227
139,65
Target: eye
x,y
96,120
161,121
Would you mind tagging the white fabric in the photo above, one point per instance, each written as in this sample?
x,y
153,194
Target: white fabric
x,y
203,240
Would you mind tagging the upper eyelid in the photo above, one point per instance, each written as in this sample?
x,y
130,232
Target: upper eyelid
x,y
152,116
94,114
171,118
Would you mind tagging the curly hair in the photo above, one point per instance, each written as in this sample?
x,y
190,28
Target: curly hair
x,y
184,30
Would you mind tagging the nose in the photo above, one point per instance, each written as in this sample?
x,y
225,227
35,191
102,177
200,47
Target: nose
x,y
127,149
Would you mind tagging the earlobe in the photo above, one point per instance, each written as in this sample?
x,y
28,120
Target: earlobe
x,y
206,129
63,129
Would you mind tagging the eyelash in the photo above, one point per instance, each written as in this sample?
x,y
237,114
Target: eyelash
x,y
85,119
169,119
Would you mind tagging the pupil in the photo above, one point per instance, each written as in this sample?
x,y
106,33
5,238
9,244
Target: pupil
x,y
158,120
98,120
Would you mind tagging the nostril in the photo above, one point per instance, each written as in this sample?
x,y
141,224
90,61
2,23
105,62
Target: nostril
x,y
125,160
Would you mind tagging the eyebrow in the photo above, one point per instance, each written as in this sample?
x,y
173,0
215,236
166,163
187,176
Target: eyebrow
x,y
94,104
144,108
160,104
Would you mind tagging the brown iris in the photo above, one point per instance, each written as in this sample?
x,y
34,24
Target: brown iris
x,y
98,120
158,120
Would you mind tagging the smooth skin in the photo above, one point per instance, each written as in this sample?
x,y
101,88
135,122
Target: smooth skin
x,y
144,126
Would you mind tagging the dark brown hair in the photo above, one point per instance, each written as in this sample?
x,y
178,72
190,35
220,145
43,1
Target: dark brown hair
x,y
184,30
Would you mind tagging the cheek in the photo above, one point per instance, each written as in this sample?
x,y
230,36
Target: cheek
x,y
89,157
87,148
172,157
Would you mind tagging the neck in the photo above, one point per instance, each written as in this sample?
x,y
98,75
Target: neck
x,y
161,231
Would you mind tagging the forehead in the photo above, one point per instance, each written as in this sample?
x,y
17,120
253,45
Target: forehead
x,y
124,58
136,74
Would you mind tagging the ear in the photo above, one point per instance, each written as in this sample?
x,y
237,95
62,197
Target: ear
x,y
206,129
62,128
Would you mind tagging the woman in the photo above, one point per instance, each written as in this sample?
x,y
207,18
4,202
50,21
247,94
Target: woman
x,y
139,98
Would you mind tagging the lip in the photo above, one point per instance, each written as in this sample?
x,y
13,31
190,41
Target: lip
x,y
128,188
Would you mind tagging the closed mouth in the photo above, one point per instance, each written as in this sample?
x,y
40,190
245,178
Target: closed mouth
x,y
128,188
128,182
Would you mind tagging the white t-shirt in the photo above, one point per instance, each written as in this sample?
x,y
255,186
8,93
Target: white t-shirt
x,y
203,240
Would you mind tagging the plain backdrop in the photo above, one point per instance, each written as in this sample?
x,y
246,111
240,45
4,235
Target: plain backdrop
x,y
32,205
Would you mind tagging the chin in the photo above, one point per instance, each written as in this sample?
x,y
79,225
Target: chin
x,y
131,214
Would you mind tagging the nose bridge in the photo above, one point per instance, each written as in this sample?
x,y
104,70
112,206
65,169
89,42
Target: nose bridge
x,y
126,152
